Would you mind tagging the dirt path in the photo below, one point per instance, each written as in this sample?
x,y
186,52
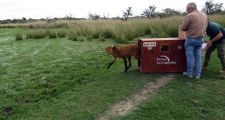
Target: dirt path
x,y
123,107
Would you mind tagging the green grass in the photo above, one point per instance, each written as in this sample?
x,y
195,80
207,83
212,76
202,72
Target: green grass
x,y
59,78
64,79
185,99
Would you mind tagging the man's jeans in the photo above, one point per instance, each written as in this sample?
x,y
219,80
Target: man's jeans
x,y
193,56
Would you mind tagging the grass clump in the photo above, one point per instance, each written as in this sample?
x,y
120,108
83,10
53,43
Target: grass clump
x,y
95,35
61,33
107,33
36,34
102,38
72,35
51,33
42,33
19,36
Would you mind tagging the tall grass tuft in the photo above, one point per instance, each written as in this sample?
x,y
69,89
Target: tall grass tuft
x,y
19,36
72,35
118,30
61,32
51,33
43,33
36,34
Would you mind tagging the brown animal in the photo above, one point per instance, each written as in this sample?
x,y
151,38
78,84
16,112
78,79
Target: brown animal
x,y
124,52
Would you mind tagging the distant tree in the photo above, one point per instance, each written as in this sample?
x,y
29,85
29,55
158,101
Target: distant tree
x,y
117,18
105,16
161,15
93,16
183,13
208,7
150,12
24,19
69,16
127,13
48,19
171,12
218,7
30,20
212,8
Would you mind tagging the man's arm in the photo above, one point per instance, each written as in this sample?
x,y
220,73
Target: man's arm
x,y
216,38
185,23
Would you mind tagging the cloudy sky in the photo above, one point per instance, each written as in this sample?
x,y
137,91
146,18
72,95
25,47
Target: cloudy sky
x,y
80,8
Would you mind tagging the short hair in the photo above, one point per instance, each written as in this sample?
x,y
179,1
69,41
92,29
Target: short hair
x,y
192,5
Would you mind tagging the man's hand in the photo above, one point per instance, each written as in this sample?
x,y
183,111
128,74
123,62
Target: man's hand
x,y
209,43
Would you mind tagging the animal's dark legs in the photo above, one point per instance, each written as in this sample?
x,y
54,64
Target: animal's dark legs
x,y
129,60
109,65
125,64
114,60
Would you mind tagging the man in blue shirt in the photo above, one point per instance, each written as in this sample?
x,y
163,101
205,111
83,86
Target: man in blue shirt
x,y
216,33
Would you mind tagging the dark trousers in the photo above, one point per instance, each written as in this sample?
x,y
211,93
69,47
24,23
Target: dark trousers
x,y
220,50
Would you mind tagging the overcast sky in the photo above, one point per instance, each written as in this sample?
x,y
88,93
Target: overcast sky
x,y
79,8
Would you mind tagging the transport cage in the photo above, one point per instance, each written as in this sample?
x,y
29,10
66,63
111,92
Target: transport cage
x,y
162,55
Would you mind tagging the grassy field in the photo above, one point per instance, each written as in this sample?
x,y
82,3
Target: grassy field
x,y
185,99
57,78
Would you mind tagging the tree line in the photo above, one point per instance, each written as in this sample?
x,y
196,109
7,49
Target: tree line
x,y
210,8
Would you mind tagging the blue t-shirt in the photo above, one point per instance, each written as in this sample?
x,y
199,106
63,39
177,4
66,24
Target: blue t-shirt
x,y
213,29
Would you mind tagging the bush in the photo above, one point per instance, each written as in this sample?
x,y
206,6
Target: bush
x,y
19,36
72,35
107,33
36,34
51,33
81,39
148,31
101,37
89,37
61,33
121,39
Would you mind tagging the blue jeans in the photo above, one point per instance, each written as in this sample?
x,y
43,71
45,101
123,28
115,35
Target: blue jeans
x,y
193,55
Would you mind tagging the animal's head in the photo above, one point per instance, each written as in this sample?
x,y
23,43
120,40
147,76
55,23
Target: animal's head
x,y
109,50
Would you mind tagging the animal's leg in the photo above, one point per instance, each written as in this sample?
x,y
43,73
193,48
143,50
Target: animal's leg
x,y
129,60
125,64
114,60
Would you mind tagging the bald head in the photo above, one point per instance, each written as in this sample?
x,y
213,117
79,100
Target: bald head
x,y
191,7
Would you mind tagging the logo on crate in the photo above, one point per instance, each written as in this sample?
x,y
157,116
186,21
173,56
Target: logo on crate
x,y
164,60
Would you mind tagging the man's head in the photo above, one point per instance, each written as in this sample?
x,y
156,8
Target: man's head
x,y
191,7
